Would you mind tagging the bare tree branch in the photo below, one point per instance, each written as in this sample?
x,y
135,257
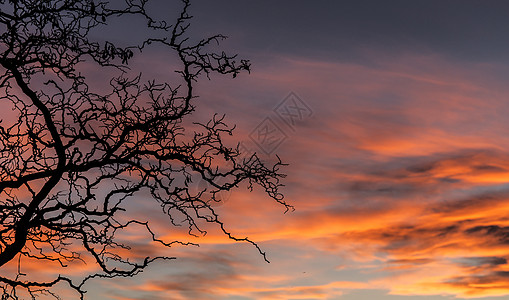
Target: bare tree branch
x,y
73,155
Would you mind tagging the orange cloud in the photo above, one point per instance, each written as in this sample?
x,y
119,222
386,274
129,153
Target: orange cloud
x,y
399,178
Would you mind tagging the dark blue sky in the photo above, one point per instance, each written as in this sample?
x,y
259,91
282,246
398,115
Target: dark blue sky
x,y
470,30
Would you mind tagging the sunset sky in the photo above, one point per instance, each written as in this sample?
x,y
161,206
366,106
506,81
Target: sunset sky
x,y
398,172
398,157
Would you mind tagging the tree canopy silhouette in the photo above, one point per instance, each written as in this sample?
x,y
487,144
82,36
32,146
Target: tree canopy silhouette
x,y
73,155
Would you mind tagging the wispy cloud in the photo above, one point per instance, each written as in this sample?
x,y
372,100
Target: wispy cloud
x,y
400,180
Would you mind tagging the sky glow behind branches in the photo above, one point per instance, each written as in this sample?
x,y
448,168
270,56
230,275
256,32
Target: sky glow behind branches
x,y
399,176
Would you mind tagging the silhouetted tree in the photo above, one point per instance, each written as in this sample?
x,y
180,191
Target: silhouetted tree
x,y
72,155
